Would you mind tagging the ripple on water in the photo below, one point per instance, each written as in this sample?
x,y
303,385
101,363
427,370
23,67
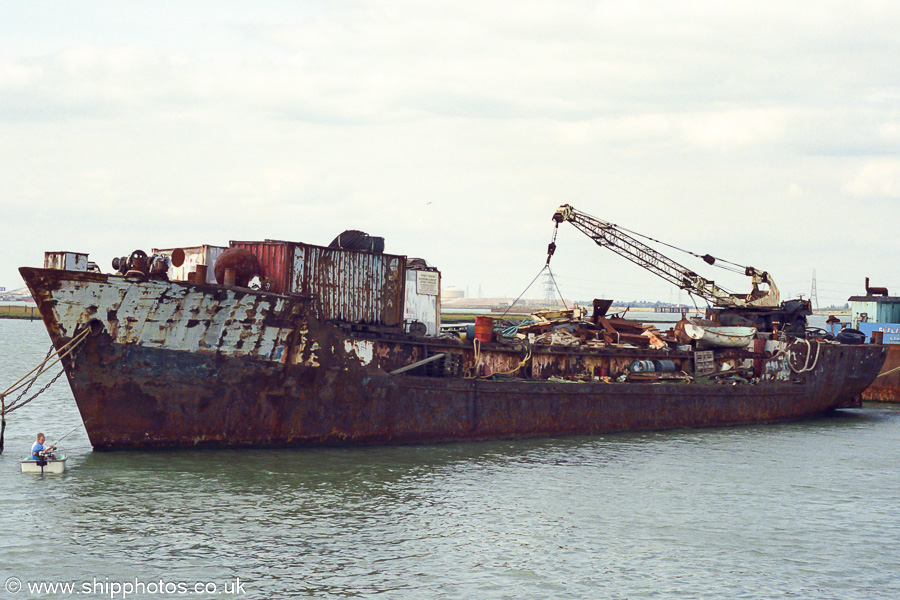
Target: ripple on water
x,y
804,510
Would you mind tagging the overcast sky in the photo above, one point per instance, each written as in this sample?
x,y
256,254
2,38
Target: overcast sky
x,y
765,133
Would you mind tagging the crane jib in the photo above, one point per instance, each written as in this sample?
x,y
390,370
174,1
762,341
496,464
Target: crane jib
x,y
611,236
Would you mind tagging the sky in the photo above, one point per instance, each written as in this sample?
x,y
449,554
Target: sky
x,y
764,133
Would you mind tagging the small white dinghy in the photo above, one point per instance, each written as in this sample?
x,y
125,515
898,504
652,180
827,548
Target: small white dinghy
x,y
712,335
48,465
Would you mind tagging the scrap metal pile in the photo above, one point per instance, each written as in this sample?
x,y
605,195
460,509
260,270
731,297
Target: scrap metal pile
x,y
570,328
640,352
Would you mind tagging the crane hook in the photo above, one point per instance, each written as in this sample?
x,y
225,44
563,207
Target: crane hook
x,y
551,248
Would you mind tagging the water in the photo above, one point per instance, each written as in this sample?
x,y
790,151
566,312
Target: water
x,y
800,510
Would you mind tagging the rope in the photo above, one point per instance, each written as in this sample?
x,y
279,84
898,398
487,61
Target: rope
x,y
891,372
28,379
16,405
472,372
512,330
66,350
694,300
806,366
560,337
33,379
521,365
528,287
26,382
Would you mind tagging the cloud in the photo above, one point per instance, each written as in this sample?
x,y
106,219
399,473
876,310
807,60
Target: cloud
x,y
453,129
877,179
735,127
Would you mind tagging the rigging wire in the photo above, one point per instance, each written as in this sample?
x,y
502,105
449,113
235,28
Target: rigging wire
x,y
694,300
545,267
707,258
556,285
590,285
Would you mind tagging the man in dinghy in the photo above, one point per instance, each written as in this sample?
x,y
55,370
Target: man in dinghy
x,y
38,452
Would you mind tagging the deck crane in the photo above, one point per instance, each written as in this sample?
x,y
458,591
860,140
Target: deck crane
x,y
616,239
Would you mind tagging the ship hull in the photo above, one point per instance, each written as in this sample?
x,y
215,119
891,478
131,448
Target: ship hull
x,y
886,387
183,365
176,400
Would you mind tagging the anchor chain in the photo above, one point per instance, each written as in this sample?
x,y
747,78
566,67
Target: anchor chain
x,y
68,350
30,383
16,404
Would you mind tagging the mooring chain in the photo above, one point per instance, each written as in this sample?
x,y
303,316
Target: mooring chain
x,y
33,379
68,349
16,404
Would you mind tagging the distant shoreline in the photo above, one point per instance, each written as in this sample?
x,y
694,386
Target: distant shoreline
x,y
19,311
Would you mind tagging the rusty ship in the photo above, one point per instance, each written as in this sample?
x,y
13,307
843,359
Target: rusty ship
x,y
278,343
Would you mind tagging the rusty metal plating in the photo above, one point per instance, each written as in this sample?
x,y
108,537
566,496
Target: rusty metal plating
x,y
175,364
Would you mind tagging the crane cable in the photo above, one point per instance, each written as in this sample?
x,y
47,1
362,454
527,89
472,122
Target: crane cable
x,y
551,248
707,258
556,285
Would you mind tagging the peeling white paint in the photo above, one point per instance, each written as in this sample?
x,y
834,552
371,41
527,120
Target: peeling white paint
x,y
364,350
173,316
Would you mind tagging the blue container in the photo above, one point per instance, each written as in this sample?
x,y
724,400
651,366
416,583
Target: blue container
x,y
664,366
642,366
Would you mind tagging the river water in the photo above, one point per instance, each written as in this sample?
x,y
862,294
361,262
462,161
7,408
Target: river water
x,y
798,510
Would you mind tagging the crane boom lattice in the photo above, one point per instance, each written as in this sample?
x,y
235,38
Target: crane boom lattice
x,y
609,235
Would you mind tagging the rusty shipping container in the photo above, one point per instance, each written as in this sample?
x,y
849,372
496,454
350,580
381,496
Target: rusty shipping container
x,y
275,258
351,286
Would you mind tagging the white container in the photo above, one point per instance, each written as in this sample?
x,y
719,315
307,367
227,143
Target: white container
x,y
66,261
